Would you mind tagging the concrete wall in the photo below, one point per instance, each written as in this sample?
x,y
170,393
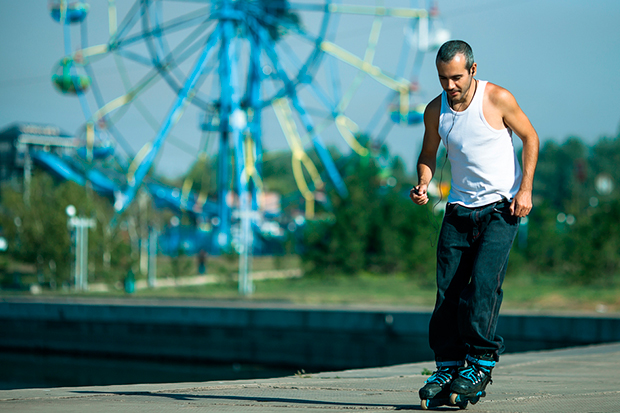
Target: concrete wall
x,y
308,338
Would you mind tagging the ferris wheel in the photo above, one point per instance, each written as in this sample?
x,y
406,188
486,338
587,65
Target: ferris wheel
x,y
166,83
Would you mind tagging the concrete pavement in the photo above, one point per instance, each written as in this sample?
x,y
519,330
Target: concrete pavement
x,y
584,379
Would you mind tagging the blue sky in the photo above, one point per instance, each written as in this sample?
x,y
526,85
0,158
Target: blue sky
x,y
558,57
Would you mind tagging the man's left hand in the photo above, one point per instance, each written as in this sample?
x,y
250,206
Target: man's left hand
x,y
521,204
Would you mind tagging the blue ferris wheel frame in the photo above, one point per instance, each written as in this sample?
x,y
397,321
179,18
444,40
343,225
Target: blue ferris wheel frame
x,y
221,44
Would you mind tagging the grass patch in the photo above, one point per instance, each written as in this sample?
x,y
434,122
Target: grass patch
x,y
340,289
544,293
552,292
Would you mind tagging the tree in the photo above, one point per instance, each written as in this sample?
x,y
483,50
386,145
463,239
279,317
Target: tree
x,y
39,234
376,228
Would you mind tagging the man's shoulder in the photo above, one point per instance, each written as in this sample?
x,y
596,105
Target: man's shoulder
x,y
431,113
497,95
434,105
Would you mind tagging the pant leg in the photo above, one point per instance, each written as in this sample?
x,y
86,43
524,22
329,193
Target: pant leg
x,y
454,267
480,302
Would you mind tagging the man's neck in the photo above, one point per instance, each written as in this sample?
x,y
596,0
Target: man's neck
x,y
469,97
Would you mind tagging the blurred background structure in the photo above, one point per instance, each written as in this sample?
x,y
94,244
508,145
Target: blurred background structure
x,y
237,63
191,135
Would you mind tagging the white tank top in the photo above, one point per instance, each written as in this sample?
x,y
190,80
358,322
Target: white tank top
x,y
484,164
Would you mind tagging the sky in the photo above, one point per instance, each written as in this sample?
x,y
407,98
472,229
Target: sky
x,y
559,58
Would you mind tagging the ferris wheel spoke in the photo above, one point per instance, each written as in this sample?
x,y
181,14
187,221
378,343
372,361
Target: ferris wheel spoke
x,y
320,147
172,118
319,114
368,59
171,139
417,66
124,143
382,135
331,7
322,97
131,18
407,13
169,62
404,50
130,97
314,87
400,85
290,88
127,98
372,70
300,71
379,112
173,69
143,110
95,86
315,7
163,29
134,57
291,53
197,17
268,47
300,157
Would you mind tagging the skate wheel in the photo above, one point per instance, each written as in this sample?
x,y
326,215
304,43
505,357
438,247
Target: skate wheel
x,y
436,402
458,400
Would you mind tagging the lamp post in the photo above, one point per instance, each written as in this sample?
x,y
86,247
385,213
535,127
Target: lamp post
x,y
81,226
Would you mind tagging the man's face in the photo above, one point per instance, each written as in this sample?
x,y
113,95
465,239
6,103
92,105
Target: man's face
x,y
455,79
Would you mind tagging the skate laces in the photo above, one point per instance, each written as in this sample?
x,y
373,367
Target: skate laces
x,y
474,373
476,370
442,376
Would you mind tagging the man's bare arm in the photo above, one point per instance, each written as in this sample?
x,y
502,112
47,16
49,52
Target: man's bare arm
x,y
427,162
516,120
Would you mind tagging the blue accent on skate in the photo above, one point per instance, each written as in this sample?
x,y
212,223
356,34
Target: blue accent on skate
x,y
469,374
442,376
485,363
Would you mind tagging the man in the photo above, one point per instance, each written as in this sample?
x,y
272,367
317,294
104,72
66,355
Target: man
x,y
489,194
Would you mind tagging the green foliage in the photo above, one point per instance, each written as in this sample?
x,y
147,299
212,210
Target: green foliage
x,y
597,259
38,233
376,228
202,176
574,229
278,172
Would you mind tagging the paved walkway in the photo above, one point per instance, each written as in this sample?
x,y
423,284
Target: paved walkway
x,y
573,380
